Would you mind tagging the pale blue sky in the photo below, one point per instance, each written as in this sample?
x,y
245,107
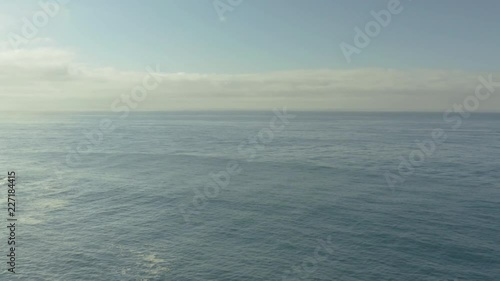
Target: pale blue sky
x,y
450,39
263,35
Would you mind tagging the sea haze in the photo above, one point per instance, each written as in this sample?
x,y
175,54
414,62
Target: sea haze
x,y
313,203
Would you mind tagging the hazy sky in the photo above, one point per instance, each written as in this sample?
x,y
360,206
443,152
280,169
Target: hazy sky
x,y
86,54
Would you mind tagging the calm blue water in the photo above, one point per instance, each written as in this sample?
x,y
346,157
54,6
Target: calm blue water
x,y
311,204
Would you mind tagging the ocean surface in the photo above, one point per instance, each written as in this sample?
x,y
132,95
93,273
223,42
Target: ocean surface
x,y
307,197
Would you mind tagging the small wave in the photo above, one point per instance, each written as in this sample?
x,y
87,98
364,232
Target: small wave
x,y
29,221
152,266
50,204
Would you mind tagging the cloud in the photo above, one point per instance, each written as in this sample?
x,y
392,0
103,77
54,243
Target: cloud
x,y
49,78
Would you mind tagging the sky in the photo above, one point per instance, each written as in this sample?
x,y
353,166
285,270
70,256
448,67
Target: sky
x,y
94,55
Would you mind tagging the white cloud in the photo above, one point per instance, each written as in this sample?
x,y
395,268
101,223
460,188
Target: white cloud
x,y
47,78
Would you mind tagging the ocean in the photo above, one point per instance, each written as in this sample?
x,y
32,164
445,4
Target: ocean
x,y
252,196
